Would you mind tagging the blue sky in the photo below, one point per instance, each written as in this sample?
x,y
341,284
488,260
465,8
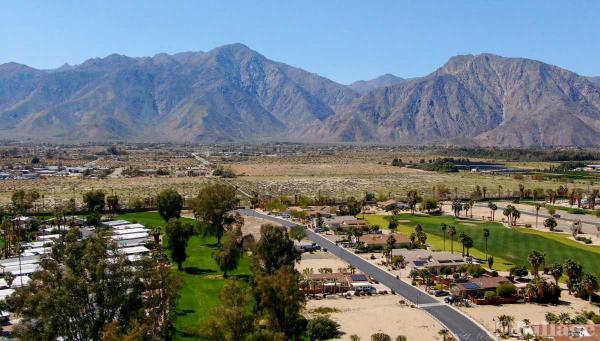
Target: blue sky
x,y
342,40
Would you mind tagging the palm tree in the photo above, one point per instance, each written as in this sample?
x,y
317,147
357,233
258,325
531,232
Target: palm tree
x,y
589,283
493,207
351,269
445,334
451,233
444,228
466,207
573,271
516,215
536,259
456,207
506,322
521,191
537,213
556,270
467,243
471,204
461,238
486,235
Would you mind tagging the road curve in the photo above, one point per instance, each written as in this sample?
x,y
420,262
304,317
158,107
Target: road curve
x,y
463,327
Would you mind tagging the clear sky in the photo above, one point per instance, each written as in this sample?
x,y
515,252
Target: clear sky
x,y
343,40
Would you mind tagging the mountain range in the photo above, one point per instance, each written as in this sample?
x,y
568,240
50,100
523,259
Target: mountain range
x,y
235,94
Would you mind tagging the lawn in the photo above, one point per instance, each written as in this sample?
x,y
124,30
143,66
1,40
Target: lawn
x,y
507,246
202,279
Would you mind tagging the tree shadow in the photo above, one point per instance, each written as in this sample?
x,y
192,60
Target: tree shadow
x,y
184,312
192,270
245,278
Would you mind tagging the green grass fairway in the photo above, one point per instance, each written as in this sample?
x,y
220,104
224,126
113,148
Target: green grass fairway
x,y
202,279
507,246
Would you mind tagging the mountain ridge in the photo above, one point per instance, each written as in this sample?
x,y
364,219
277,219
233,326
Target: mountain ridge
x,y
235,94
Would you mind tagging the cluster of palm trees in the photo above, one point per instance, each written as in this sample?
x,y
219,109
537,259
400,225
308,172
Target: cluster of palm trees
x,y
465,240
512,214
577,281
418,237
458,206
506,323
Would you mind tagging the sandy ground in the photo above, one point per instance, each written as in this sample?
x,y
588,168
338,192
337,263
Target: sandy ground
x,y
320,259
535,313
365,316
252,225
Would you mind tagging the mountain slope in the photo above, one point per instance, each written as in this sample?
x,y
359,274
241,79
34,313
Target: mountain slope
x,y
363,87
230,93
490,99
234,94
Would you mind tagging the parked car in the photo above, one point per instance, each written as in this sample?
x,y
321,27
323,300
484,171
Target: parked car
x,y
440,293
450,299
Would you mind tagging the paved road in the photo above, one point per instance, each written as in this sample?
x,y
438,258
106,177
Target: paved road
x,y
460,325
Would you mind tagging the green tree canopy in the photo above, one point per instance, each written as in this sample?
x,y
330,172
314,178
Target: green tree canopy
x,y
169,203
94,201
178,233
274,249
85,285
213,208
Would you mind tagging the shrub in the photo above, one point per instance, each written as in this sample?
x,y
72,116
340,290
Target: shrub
x,y
489,295
322,328
506,289
596,319
475,270
380,337
325,310
439,286
519,271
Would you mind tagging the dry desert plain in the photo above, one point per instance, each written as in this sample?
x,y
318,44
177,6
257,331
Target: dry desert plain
x,y
335,176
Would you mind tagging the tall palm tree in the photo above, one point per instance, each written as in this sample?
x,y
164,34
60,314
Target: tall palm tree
x,y
589,283
536,259
451,233
537,213
467,243
556,270
466,207
506,322
461,239
444,228
456,207
471,204
573,271
516,215
486,235
492,208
